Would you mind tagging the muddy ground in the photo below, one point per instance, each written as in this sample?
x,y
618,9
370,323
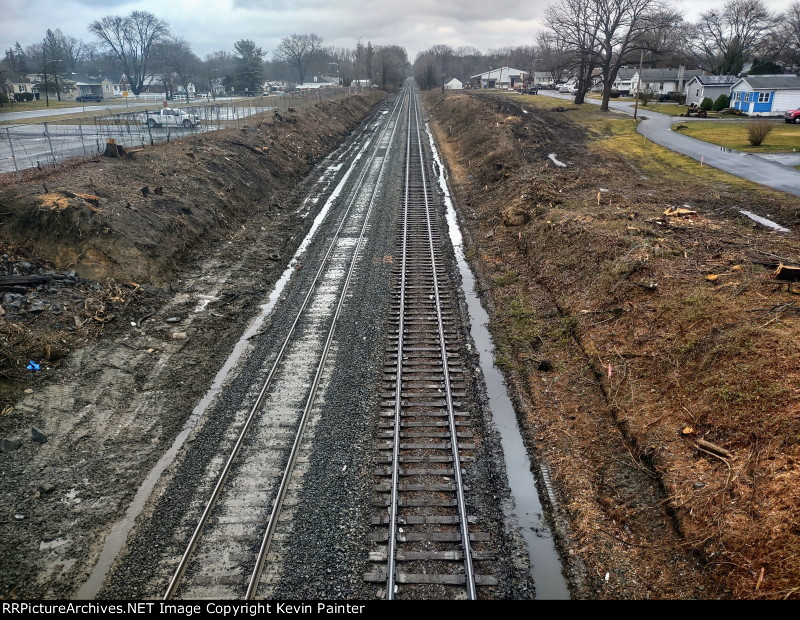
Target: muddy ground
x,y
654,357
135,277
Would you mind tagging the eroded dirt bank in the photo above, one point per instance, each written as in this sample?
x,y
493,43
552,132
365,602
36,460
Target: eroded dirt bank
x,y
141,296
654,357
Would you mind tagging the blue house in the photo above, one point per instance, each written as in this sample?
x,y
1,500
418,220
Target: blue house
x,y
766,95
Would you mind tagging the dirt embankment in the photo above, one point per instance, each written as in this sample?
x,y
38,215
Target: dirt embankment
x,y
79,246
654,355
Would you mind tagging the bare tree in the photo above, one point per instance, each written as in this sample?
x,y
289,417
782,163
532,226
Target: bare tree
x,y
391,63
622,27
791,28
131,39
554,55
725,38
299,50
180,62
574,23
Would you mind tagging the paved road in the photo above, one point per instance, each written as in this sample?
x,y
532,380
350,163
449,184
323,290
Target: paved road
x,y
658,128
30,146
99,109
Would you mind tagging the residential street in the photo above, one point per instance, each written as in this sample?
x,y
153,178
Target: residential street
x,y
657,127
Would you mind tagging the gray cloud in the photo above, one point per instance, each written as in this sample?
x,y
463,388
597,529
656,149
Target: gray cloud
x,y
209,26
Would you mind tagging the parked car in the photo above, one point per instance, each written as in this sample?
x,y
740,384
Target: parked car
x,y
566,88
530,90
88,97
792,116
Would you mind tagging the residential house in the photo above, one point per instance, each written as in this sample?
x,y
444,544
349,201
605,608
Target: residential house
x,y
453,84
542,78
504,77
16,85
663,81
624,80
86,85
319,81
658,81
766,95
711,86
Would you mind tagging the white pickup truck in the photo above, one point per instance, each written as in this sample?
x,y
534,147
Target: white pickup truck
x,y
170,117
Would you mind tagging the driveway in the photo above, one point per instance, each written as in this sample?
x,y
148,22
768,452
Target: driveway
x,y
658,128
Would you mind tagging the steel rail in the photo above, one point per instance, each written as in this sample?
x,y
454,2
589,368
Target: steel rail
x,y
390,568
184,561
278,503
462,510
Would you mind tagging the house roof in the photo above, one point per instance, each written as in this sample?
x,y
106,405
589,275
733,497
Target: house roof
x,y
16,78
625,74
771,82
666,75
715,80
503,74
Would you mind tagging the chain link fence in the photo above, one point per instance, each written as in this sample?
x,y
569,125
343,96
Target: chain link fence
x,y
47,144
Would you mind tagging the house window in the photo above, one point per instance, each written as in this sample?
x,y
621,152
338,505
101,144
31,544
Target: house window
x,y
738,96
763,97
697,93
746,97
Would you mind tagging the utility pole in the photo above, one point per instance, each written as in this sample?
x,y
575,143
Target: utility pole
x,y
638,82
44,64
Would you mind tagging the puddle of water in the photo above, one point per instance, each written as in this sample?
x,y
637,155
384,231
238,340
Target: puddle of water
x,y
764,221
119,533
545,562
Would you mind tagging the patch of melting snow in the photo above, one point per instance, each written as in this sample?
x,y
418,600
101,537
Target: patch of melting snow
x,y
764,221
524,111
53,544
203,302
552,158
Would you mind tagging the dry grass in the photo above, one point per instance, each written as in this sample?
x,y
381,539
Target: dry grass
x,y
758,130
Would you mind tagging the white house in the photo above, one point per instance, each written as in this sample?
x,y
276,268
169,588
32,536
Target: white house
x,y
711,86
624,80
542,78
662,81
453,84
504,77
766,95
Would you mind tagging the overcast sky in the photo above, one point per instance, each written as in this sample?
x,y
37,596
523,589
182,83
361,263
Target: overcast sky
x,y
211,25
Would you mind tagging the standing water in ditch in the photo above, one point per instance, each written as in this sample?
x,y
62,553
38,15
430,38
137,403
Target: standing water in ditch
x,y
545,562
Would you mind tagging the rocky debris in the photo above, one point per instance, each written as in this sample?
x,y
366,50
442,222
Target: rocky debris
x,y
9,445
38,436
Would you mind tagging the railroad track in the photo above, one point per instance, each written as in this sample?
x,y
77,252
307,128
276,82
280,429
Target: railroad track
x,y
248,503
426,436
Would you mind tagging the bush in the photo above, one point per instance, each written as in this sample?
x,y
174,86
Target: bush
x,y
3,98
679,98
23,96
706,104
722,102
758,130
645,96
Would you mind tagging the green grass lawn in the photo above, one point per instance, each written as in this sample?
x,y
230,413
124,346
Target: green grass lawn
x,y
733,135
